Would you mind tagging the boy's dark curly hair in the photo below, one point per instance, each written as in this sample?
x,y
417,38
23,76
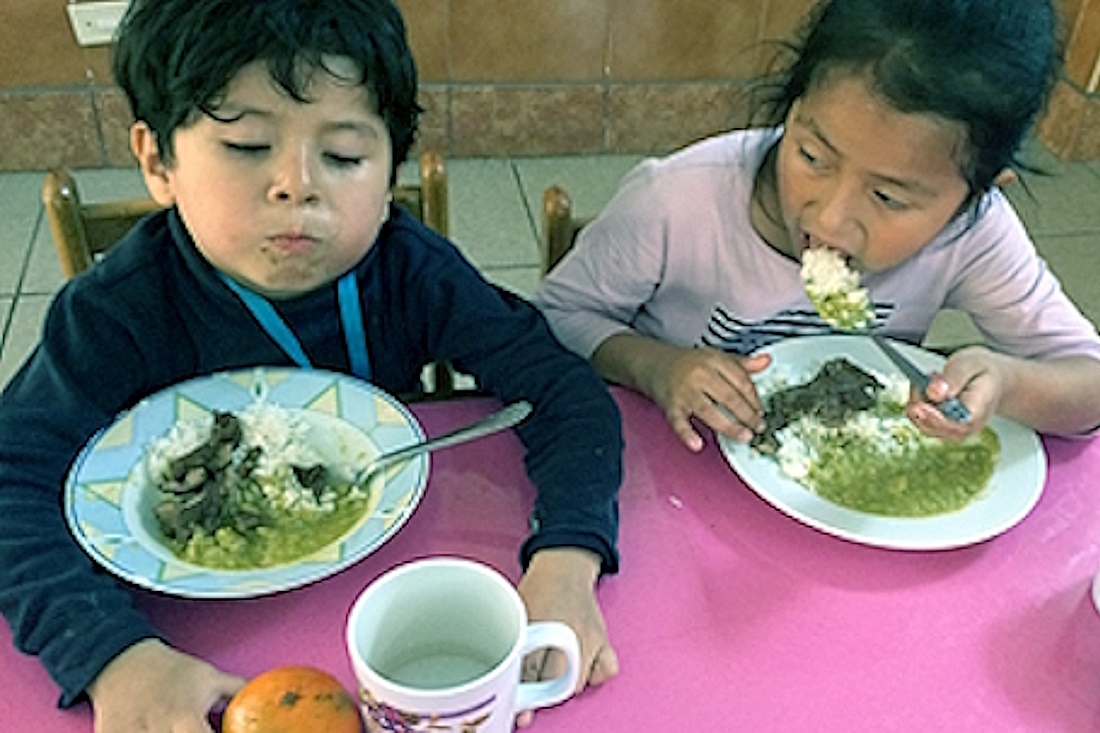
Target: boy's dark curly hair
x,y
175,58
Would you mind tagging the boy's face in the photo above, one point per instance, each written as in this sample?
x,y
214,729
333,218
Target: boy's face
x,y
280,195
857,175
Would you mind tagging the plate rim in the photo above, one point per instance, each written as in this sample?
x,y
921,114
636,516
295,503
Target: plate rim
x,y
887,532
237,584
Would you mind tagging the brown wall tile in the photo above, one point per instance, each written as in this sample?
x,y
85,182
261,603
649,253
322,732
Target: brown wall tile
x,y
114,125
513,120
43,130
427,22
683,39
522,77
658,118
435,100
97,59
527,40
783,18
37,47
1087,146
1058,128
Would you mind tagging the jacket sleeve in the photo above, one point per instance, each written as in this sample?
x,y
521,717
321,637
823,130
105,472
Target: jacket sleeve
x,y
59,604
573,438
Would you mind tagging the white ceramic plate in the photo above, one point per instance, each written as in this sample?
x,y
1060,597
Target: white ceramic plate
x,y
1017,482
108,502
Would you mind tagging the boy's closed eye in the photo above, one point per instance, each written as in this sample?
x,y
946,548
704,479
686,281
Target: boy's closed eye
x,y
244,148
344,161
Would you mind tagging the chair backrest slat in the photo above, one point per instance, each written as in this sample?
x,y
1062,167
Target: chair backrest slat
x,y
559,227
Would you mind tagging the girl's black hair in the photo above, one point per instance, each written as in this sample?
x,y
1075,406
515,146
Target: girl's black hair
x,y
175,58
987,64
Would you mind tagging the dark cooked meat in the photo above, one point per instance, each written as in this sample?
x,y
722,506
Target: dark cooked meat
x,y
215,486
204,488
837,390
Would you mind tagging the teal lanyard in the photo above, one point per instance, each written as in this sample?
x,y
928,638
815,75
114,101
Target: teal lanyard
x,y
351,318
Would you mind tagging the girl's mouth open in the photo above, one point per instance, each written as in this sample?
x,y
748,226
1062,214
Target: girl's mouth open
x,y
808,241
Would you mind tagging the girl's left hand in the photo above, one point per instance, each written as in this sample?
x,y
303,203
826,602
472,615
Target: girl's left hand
x,y
967,376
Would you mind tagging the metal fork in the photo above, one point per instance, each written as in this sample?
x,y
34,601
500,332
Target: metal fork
x,y
951,407
499,420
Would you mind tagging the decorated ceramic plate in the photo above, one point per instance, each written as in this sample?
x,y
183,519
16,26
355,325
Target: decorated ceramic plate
x,y
109,496
1017,482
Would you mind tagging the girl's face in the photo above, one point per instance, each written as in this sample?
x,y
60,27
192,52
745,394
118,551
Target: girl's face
x,y
856,175
282,196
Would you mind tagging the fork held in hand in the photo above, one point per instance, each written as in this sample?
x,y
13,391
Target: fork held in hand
x,y
951,407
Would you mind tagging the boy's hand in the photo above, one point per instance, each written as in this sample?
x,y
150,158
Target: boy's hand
x,y
716,388
153,687
560,585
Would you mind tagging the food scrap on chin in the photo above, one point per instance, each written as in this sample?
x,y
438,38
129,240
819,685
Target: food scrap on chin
x,y
834,290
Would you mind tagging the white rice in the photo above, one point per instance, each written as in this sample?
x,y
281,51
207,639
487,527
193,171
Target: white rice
x,y
284,439
805,439
834,289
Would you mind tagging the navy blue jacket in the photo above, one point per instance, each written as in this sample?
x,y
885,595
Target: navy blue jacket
x,y
154,313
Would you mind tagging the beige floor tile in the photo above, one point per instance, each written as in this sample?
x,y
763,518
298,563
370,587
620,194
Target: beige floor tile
x,y
107,184
5,311
22,334
44,275
1065,201
20,207
488,220
589,180
1074,259
950,330
520,280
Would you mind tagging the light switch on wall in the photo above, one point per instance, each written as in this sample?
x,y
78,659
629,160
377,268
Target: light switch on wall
x,y
95,23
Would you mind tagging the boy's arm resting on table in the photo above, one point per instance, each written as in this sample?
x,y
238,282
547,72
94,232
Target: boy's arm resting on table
x,y
60,607
573,439
79,620
573,455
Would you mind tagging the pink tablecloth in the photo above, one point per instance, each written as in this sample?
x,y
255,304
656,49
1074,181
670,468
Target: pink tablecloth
x,y
727,615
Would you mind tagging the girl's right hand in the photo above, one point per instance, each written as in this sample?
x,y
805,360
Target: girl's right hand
x,y
714,387
687,383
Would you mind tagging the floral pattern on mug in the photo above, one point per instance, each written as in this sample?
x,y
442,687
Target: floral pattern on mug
x,y
383,718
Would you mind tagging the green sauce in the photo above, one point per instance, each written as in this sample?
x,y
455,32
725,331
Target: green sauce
x,y
928,478
287,537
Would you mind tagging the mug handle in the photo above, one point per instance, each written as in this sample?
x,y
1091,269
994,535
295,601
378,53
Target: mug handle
x,y
544,693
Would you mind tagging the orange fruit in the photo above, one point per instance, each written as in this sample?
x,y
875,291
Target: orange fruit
x,y
292,700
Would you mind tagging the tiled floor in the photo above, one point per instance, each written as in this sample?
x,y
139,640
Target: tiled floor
x,y
494,215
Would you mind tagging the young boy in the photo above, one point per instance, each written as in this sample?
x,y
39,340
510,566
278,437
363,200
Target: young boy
x,y
272,131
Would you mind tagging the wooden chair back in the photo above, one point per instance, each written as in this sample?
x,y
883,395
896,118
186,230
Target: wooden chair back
x,y
559,227
84,231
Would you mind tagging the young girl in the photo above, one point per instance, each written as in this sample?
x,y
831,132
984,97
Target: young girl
x,y
888,132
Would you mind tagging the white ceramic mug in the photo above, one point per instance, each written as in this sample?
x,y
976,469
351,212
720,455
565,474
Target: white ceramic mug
x,y
437,645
